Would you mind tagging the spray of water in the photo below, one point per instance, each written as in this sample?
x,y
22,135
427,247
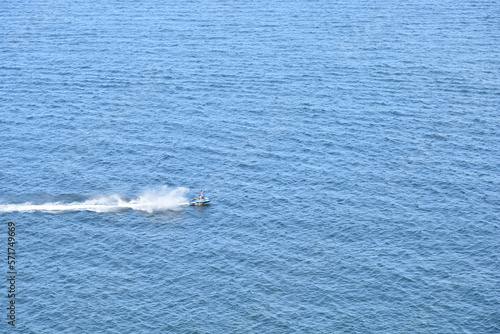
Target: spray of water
x,y
150,201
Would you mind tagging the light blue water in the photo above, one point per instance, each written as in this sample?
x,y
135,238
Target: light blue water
x,y
350,149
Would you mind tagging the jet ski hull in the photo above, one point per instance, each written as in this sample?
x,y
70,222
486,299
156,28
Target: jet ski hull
x,y
204,201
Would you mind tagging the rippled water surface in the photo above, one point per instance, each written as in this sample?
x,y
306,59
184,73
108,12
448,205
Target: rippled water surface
x,y
350,150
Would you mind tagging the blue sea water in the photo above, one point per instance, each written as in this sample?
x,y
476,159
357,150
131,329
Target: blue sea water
x,y
350,150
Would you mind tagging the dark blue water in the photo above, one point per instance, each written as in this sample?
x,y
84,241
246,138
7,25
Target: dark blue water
x,y
350,150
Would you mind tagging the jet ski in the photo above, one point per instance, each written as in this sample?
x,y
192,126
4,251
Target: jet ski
x,y
197,201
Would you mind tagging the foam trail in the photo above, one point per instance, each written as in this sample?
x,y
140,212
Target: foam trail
x,y
150,201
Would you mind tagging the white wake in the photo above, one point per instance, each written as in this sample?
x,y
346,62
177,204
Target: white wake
x,y
150,201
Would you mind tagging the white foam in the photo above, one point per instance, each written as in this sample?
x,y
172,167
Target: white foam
x,y
149,201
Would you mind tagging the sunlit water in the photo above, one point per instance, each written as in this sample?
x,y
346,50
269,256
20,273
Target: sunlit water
x,y
350,149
